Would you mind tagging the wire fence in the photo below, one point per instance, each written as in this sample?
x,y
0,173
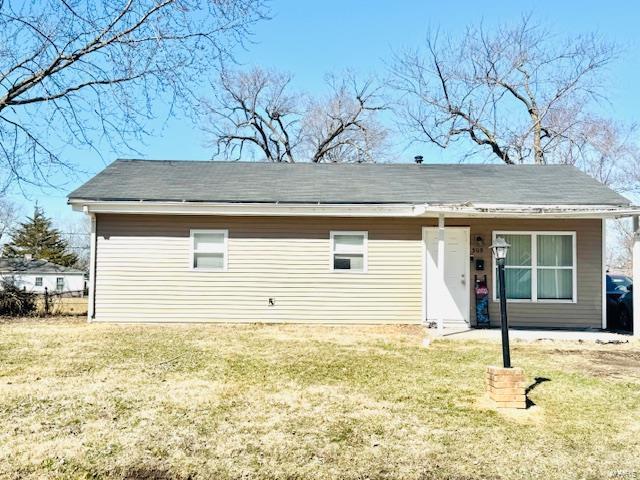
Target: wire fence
x,y
62,302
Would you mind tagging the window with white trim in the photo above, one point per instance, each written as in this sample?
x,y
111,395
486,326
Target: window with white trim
x,y
38,281
59,284
540,266
209,249
349,251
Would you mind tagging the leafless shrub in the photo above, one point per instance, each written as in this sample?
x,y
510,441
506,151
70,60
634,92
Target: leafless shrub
x,y
15,301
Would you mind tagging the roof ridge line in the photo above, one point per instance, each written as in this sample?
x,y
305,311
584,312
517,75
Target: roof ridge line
x,y
376,164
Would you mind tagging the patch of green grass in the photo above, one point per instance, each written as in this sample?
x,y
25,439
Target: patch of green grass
x,y
113,401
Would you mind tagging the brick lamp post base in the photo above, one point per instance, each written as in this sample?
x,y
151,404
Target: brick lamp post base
x,y
506,387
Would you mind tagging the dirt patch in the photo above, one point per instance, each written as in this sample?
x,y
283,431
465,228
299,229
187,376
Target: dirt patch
x,y
606,363
150,473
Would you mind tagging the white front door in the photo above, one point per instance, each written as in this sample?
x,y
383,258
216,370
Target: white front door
x,y
447,292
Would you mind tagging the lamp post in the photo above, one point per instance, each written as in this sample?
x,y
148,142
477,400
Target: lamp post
x,y
500,248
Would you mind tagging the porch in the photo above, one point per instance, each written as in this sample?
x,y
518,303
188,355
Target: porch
x,y
555,278
536,335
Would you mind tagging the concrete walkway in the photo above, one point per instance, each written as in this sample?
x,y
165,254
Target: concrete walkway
x,y
533,335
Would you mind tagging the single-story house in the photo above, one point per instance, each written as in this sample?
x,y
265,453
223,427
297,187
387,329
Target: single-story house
x,y
36,274
190,241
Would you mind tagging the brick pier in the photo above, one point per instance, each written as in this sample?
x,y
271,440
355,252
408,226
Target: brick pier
x,y
506,386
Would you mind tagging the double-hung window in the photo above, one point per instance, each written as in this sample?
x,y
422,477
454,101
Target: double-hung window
x,y
209,249
349,251
540,266
38,281
59,284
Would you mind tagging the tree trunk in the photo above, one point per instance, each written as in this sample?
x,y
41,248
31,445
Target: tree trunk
x,y
537,139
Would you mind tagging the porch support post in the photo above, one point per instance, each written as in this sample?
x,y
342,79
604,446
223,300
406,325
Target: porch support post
x,y
636,275
604,274
441,272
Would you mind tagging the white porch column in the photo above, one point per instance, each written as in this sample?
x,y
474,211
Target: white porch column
x,y
636,276
604,273
441,272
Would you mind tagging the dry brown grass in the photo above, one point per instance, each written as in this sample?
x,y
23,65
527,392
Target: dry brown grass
x,y
293,402
62,306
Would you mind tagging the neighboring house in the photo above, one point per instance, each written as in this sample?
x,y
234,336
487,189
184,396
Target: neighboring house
x,y
183,241
36,275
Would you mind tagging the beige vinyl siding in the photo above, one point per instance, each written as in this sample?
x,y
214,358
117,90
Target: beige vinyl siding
x,y
587,311
144,272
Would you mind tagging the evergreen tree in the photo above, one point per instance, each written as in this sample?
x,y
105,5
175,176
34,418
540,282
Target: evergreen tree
x,y
37,237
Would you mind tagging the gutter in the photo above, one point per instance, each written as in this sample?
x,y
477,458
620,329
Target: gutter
x,y
425,210
545,211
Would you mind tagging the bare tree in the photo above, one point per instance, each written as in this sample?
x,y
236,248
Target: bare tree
x,y
74,72
518,92
606,150
77,234
343,127
620,238
8,217
255,112
254,109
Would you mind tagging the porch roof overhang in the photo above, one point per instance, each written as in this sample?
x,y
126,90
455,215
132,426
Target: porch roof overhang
x,y
425,210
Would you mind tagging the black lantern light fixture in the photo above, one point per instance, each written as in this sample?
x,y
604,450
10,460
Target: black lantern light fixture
x,y
500,248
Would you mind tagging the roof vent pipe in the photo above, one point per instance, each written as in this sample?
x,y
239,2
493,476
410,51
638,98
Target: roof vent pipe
x,y
418,159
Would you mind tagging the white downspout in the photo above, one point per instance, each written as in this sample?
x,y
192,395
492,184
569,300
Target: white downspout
x,y
91,311
441,285
636,276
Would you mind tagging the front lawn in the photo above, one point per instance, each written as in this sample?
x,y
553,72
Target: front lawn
x,y
293,402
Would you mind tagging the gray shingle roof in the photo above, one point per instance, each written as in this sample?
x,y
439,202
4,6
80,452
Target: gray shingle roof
x,y
22,265
212,181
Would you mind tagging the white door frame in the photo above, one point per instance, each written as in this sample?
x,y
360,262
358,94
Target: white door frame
x,y
467,308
